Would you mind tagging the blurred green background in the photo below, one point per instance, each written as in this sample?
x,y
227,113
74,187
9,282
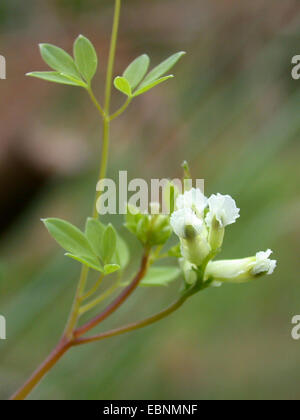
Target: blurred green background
x,y
233,112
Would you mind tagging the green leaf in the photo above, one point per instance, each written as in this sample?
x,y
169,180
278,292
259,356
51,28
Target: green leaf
x,y
123,85
94,232
108,244
137,70
55,77
161,276
162,69
85,57
111,268
89,262
68,236
151,85
73,240
59,60
122,252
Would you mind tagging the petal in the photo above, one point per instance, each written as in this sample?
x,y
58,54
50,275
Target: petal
x,y
193,199
224,208
263,263
185,217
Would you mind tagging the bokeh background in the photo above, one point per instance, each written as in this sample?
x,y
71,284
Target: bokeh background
x,y
233,112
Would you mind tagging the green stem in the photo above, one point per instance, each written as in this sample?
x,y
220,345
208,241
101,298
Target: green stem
x,y
121,110
104,160
100,298
112,54
77,301
96,103
104,157
93,289
108,87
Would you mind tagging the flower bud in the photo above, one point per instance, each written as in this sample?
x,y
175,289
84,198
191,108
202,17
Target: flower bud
x,y
151,230
160,230
242,270
216,234
189,273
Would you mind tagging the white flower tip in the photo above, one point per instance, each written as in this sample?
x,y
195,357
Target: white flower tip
x,y
263,263
223,208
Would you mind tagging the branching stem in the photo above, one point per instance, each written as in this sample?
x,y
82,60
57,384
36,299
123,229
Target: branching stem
x,y
134,326
75,312
110,309
121,110
93,289
74,336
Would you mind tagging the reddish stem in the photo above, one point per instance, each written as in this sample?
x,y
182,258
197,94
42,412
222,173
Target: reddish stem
x,y
132,327
65,344
39,374
117,302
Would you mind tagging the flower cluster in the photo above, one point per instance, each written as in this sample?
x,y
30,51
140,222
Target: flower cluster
x,y
151,229
200,224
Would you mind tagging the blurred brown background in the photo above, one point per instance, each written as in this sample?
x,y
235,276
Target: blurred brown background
x,y
233,112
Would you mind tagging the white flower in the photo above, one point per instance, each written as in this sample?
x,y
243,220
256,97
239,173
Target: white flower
x,y
185,217
193,235
242,270
193,199
236,271
263,264
223,208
